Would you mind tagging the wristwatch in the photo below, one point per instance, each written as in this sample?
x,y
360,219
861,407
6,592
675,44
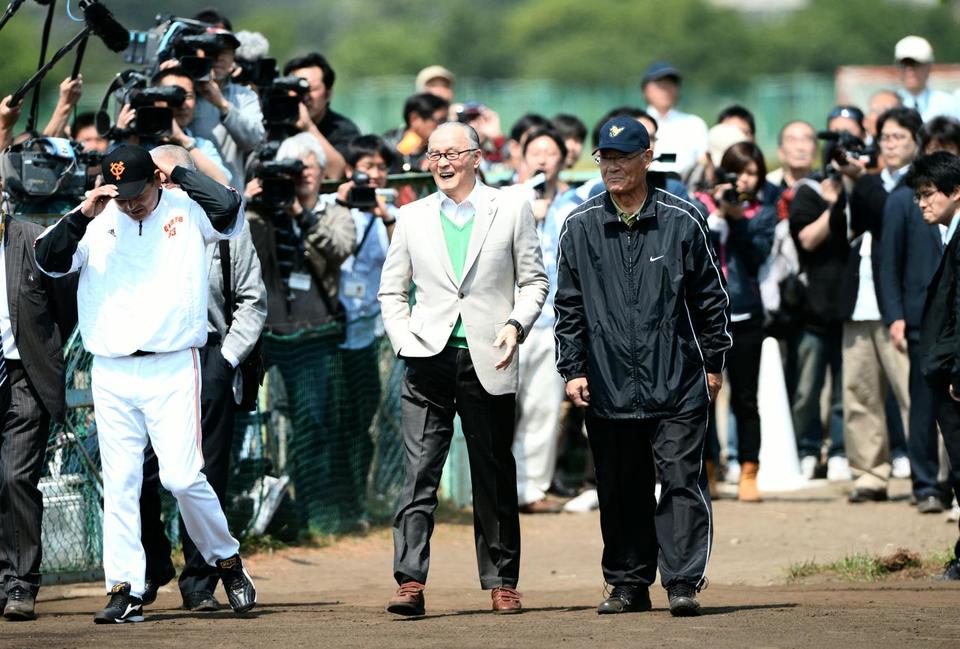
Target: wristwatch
x,y
519,328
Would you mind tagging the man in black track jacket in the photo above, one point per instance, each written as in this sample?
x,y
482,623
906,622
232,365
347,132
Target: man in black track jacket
x,y
642,330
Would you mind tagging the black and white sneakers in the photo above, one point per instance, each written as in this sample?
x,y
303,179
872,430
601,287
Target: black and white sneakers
x,y
237,583
122,607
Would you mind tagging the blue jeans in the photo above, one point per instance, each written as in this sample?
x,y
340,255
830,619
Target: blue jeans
x,y
815,354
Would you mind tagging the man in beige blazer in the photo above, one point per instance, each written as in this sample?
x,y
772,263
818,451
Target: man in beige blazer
x,y
473,256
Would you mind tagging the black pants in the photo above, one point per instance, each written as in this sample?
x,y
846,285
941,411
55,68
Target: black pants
x,y
434,390
922,444
216,423
635,527
948,416
743,367
23,444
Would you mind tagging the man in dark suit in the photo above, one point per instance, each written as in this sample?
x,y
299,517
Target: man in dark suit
x,y
36,316
936,182
911,250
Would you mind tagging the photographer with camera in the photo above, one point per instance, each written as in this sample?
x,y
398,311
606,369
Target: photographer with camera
x,y
818,224
871,363
333,130
421,115
202,151
302,242
227,113
540,394
743,222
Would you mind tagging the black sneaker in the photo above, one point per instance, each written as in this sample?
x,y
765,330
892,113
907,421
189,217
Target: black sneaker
x,y
952,571
240,589
683,600
19,605
155,583
201,600
626,599
123,607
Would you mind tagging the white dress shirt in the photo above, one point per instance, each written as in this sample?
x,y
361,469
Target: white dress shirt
x,y
460,214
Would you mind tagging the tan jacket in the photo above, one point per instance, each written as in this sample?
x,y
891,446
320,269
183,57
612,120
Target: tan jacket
x,y
504,254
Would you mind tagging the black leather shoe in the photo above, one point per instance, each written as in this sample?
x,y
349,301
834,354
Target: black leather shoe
x,y
929,505
201,600
626,599
154,583
952,573
20,605
683,600
864,495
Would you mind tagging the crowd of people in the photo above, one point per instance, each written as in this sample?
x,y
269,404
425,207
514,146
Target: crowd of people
x,y
831,254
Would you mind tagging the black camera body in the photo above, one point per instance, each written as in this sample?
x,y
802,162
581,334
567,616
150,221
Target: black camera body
x,y
152,121
841,144
261,72
43,168
725,177
363,194
279,179
282,99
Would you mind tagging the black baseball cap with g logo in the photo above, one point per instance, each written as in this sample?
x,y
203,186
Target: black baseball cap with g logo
x,y
128,167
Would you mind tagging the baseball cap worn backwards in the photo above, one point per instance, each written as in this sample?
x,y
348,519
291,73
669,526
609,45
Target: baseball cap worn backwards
x,y
623,134
128,167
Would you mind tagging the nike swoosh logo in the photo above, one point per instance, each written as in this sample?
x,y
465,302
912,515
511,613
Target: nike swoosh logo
x,y
657,258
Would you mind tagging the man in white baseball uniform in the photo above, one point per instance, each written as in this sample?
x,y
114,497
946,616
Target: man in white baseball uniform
x,y
142,305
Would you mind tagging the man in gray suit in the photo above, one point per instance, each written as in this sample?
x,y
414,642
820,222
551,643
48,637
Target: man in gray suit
x,y
468,249
37,314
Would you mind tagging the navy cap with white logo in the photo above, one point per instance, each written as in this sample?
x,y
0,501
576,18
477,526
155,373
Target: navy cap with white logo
x,y
128,167
623,134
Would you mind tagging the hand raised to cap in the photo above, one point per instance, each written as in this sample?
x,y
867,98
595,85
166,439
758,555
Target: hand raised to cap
x,y
96,199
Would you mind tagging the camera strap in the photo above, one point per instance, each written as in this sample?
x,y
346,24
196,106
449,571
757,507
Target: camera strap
x,y
366,233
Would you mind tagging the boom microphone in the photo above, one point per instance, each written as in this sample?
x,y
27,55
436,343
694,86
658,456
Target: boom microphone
x,y
102,23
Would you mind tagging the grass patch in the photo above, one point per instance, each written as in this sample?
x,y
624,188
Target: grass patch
x,y
865,567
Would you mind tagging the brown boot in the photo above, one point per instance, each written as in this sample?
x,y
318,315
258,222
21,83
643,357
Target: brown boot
x,y
505,600
712,480
408,599
748,492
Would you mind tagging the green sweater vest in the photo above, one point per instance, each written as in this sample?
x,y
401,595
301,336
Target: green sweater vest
x,y
458,240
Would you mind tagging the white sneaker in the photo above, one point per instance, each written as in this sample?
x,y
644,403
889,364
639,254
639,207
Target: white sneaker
x,y
732,475
838,469
585,502
901,467
808,466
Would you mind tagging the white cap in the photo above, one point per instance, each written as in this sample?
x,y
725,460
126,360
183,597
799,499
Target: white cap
x,y
720,138
430,73
915,48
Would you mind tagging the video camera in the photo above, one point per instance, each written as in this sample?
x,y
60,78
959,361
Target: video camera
x,y
281,101
279,179
43,168
260,72
152,122
842,144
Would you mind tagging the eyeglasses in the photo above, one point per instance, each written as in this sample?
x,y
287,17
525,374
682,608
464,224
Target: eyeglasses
x,y
615,160
434,156
371,167
924,197
894,137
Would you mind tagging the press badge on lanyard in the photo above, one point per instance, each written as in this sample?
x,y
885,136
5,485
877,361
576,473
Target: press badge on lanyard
x,y
300,281
354,289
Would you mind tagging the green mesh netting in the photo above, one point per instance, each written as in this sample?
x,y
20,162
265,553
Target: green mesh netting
x,y
322,454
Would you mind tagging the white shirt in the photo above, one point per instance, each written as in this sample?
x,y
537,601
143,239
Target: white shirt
x,y
146,290
930,103
6,326
891,178
680,133
946,232
866,308
462,213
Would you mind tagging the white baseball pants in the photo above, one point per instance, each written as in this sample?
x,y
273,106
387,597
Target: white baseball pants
x,y
157,398
539,398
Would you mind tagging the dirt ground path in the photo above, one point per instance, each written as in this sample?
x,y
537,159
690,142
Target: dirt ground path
x,y
334,596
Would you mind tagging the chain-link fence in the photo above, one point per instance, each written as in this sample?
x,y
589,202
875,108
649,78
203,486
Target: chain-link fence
x,y
323,454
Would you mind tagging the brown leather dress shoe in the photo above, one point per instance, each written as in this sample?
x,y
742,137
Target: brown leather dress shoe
x,y
542,506
505,600
408,599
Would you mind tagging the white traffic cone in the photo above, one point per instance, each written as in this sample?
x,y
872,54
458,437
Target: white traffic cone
x,y
779,464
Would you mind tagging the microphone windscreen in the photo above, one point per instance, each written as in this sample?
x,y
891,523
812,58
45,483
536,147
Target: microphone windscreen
x,y
102,23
